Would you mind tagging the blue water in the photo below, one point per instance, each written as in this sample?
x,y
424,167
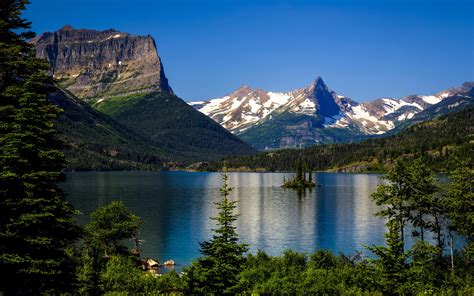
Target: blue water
x,y
176,207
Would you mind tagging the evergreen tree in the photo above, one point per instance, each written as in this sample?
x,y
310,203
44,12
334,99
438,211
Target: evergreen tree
x,y
37,225
223,256
299,171
392,259
395,195
110,224
425,206
459,202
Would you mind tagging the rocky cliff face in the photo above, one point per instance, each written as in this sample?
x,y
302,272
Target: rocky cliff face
x,y
96,65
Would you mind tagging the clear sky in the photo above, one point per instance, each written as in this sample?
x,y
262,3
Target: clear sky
x,y
363,49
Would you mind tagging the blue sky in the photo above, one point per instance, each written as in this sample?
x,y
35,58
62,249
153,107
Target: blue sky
x,y
363,49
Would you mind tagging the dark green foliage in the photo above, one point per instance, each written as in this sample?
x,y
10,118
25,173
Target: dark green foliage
x,y
300,181
218,269
392,260
183,133
37,225
110,267
97,142
294,274
435,141
408,196
122,276
459,203
110,224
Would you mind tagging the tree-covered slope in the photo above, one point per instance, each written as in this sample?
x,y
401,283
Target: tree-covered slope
x,y
448,105
434,140
97,142
173,125
288,130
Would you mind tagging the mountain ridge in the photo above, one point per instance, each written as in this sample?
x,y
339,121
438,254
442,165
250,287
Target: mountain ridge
x,y
95,65
305,117
122,78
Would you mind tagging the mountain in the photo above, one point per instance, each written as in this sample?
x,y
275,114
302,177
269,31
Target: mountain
x,y
435,140
314,115
95,65
122,76
458,99
97,142
171,124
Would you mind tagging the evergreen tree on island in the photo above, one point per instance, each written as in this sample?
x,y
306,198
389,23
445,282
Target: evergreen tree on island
x,y
37,225
223,256
299,181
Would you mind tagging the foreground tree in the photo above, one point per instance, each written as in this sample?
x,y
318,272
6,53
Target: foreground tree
x,y
409,196
223,256
459,203
110,225
391,260
37,225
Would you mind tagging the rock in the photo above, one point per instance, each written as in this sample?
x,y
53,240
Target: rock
x,y
101,64
169,263
152,264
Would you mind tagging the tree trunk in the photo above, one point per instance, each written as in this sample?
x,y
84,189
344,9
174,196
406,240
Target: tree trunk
x,y
451,244
402,234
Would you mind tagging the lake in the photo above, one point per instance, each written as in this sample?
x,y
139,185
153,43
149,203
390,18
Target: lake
x,y
176,206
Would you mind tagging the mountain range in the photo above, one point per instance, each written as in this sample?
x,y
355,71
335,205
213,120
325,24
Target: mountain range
x,y
317,115
119,109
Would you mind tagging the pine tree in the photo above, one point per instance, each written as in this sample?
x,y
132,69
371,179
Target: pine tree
x,y
223,256
37,225
425,210
391,259
459,203
395,196
110,224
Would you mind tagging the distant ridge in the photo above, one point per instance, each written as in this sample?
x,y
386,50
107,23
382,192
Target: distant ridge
x,y
317,115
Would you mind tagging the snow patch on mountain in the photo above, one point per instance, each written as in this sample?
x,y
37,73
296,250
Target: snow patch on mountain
x,y
246,107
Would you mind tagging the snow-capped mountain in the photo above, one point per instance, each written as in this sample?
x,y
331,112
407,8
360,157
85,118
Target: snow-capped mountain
x,y
243,108
311,115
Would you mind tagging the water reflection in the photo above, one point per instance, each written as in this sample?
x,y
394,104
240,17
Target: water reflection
x,y
176,207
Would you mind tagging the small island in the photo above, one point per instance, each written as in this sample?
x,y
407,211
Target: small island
x,y
299,181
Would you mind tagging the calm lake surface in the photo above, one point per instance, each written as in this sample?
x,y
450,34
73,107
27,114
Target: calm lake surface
x,y
176,207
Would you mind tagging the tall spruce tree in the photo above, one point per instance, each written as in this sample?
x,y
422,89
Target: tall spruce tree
x,y
396,196
459,203
392,260
223,256
37,225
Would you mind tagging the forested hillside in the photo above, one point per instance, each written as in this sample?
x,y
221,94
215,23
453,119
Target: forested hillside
x,y
173,125
434,140
97,142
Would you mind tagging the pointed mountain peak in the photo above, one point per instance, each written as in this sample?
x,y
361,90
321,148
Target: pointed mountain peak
x,y
318,83
318,80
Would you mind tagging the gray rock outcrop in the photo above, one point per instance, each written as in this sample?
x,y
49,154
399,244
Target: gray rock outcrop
x,y
96,65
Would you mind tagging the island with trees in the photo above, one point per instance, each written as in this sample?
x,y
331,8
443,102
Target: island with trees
x,y
302,179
